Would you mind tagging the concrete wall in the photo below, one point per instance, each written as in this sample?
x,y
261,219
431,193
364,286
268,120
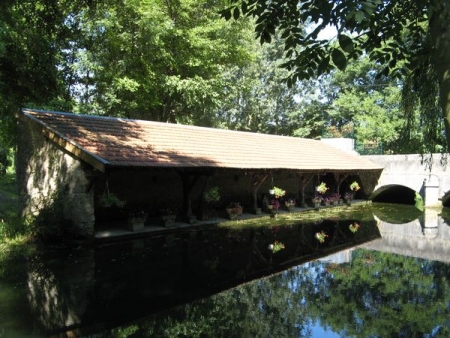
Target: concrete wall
x,y
52,186
427,174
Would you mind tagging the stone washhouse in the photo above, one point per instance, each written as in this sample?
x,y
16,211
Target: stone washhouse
x,y
67,162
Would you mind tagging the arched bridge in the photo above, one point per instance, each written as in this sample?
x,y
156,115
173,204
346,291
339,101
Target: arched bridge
x,y
404,175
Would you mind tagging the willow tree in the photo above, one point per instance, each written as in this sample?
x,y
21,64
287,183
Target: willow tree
x,y
414,32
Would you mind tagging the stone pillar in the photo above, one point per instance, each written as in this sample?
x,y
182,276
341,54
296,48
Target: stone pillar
x,y
431,193
431,222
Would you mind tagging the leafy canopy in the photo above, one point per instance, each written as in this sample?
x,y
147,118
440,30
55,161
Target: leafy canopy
x,y
361,26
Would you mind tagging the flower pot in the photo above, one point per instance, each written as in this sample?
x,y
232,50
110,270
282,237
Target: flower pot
x,y
168,220
136,223
234,212
290,206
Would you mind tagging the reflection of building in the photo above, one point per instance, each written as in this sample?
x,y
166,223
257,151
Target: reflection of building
x,y
344,256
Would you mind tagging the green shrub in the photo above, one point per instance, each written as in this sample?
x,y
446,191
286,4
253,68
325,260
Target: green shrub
x,y
12,227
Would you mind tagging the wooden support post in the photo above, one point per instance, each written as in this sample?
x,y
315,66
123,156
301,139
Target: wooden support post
x,y
304,179
339,178
257,180
189,182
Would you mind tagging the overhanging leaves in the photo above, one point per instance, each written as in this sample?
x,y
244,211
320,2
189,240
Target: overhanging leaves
x,y
339,59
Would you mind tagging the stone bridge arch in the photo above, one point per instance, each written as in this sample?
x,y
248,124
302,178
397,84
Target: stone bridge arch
x,y
427,175
394,193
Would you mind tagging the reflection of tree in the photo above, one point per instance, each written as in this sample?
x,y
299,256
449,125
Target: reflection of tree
x,y
381,295
265,308
377,295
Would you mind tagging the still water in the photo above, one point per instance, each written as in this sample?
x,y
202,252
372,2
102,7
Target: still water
x,y
386,275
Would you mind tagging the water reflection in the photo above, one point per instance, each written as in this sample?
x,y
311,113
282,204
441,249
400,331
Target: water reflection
x,y
88,290
426,237
376,295
264,282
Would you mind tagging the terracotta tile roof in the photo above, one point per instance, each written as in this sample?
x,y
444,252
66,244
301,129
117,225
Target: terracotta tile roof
x,y
116,142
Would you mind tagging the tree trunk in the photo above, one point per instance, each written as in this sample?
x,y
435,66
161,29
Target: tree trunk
x,y
440,34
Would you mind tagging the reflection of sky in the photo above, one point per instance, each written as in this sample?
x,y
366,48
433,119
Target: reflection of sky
x,y
318,331
314,269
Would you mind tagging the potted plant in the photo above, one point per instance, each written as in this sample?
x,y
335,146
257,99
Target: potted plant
x,y
326,200
234,210
348,196
278,192
335,198
354,227
276,246
322,188
316,201
168,217
321,236
290,204
354,186
273,207
209,199
110,200
136,220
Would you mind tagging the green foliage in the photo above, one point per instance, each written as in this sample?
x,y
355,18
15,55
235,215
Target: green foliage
x,y
404,39
418,202
169,59
361,26
354,186
33,36
278,192
322,188
108,200
259,100
212,195
11,225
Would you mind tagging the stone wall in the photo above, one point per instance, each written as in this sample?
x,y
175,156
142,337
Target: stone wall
x,y
52,186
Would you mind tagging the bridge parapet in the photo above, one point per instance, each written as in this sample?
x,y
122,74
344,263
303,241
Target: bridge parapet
x,y
425,174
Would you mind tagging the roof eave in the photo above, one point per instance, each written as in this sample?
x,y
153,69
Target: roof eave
x,y
68,145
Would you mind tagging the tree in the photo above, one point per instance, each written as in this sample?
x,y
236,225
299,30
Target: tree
x,y
32,36
415,32
158,60
259,100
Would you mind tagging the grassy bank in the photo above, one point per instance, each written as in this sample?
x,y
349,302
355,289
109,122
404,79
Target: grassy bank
x,y
14,241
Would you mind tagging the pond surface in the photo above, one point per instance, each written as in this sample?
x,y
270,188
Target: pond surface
x,y
386,275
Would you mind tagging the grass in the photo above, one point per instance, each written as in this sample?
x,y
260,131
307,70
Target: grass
x,y
360,212
8,196
14,242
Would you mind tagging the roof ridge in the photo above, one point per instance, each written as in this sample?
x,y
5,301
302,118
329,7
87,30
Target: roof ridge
x,y
178,125
131,142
